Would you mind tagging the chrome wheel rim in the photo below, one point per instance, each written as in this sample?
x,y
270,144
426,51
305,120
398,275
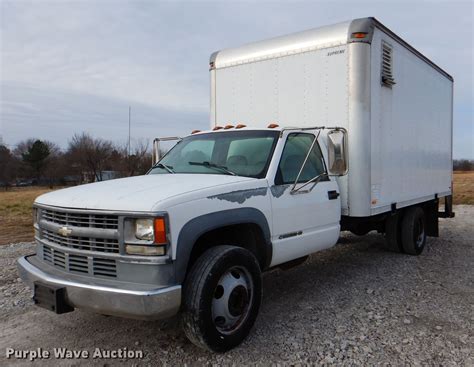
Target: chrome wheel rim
x,y
231,300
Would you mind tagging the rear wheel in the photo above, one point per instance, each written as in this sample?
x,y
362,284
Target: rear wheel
x,y
393,235
413,231
222,296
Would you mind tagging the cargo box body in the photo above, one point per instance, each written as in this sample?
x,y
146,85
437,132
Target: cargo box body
x,y
395,104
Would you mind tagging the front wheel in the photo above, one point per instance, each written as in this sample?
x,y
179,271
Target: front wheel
x,y
222,296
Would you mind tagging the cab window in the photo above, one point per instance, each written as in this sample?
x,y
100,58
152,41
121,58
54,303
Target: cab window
x,y
294,153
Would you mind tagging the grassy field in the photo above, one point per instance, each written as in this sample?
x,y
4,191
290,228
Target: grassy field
x,y
464,188
16,220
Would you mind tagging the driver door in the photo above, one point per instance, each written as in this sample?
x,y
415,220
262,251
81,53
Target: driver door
x,y
307,220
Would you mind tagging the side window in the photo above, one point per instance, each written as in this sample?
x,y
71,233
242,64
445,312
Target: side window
x,y
293,156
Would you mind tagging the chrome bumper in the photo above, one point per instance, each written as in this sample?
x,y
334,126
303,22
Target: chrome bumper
x,y
106,297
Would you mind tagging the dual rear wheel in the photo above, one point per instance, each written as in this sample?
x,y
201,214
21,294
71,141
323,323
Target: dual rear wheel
x,y
406,231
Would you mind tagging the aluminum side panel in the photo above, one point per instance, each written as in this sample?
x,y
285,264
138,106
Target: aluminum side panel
x,y
411,135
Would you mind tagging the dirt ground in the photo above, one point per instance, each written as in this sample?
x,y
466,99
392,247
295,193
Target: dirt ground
x,y
355,304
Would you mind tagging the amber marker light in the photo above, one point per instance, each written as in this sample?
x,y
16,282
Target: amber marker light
x,y
272,126
359,35
195,131
217,127
160,231
229,126
240,126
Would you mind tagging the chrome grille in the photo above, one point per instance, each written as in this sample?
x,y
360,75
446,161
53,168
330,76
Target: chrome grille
x,y
80,219
79,264
82,243
84,231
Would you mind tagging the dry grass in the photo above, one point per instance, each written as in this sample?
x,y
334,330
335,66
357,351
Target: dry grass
x,y
16,221
463,187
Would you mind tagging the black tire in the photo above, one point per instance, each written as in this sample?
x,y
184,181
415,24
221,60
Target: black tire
x,y
211,285
414,231
393,233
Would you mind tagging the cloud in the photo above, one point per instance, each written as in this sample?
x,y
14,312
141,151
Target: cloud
x,y
104,55
56,115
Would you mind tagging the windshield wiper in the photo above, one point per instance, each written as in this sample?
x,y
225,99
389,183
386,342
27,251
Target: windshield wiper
x,y
168,168
213,165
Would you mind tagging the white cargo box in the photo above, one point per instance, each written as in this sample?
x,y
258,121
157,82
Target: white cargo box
x,y
395,104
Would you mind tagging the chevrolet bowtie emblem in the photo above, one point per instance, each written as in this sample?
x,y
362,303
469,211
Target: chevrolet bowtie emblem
x,y
64,231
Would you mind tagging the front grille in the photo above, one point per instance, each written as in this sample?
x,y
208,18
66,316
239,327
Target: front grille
x,y
82,243
87,231
79,264
80,219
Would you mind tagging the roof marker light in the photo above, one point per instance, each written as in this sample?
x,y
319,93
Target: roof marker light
x,y
359,35
229,126
240,126
217,127
272,126
195,131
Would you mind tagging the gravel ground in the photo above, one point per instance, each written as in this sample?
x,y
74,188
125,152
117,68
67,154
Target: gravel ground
x,y
354,304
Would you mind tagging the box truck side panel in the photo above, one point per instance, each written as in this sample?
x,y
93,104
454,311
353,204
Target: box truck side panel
x,y
411,127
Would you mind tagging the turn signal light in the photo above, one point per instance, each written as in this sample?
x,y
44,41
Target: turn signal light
x,y
359,35
160,230
272,126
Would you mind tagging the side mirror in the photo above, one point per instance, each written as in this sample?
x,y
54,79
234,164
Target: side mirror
x,y
337,152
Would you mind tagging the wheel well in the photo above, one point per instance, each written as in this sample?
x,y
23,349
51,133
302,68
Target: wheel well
x,y
246,235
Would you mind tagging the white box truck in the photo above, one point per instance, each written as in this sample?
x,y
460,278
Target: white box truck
x,y
344,127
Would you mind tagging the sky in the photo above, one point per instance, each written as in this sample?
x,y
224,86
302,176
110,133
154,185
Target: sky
x,y
73,66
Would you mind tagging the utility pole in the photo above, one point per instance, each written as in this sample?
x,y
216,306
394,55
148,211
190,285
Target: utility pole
x,y
129,128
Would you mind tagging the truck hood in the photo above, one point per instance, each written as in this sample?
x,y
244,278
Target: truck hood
x,y
139,193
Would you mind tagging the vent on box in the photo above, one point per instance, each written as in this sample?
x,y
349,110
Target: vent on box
x,y
387,66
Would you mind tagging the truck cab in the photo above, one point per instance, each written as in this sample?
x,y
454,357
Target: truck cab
x,y
256,198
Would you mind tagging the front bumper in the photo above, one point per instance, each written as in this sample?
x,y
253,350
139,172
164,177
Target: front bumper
x,y
105,297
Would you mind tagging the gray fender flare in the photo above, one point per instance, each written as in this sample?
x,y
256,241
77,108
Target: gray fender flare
x,y
196,227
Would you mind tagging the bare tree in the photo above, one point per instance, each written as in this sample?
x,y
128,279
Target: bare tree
x,y
463,165
91,154
139,162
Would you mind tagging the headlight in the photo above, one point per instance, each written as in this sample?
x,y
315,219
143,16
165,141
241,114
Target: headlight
x,y
144,229
145,236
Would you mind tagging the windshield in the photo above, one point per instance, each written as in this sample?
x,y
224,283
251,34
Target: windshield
x,y
240,153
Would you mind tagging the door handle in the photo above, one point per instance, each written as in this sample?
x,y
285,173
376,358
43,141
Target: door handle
x,y
333,195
